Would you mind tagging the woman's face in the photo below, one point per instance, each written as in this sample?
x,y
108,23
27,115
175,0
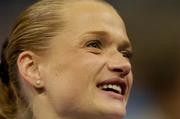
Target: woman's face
x,y
87,72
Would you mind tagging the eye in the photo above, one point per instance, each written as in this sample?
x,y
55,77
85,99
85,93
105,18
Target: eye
x,y
127,54
94,44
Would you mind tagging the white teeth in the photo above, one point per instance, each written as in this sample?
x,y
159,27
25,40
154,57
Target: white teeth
x,y
112,86
104,87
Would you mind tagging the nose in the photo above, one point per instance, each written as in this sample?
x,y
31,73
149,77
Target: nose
x,y
120,65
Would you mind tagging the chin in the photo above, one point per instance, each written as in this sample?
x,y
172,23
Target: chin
x,y
116,114
103,110
108,106
112,111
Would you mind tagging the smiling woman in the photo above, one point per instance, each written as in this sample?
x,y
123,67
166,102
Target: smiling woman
x,y
66,59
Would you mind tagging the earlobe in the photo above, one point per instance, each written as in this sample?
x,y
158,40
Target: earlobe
x,y
28,67
39,84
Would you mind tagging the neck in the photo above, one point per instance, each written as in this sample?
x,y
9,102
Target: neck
x,y
42,109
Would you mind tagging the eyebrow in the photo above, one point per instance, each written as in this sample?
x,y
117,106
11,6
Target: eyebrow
x,y
125,44
100,33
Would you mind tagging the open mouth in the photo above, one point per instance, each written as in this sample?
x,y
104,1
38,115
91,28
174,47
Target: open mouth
x,y
115,86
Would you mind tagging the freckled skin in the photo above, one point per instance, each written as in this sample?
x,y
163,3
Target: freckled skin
x,y
73,67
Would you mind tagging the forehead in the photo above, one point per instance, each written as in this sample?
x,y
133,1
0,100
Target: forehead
x,y
87,16
91,11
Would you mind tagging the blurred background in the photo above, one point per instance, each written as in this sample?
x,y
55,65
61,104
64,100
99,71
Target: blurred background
x,y
154,28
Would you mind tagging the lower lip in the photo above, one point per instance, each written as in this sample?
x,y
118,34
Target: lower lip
x,y
114,95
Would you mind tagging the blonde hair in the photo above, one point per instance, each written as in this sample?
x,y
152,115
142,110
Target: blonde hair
x,y
32,31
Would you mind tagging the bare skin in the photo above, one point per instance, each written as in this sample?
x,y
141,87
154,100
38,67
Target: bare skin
x,y
93,48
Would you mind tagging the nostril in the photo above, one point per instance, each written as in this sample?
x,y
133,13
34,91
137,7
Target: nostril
x,y
122,67
124,73
121,71
117,70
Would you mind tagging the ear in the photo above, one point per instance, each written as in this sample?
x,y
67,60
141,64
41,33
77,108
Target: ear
x,y
28,66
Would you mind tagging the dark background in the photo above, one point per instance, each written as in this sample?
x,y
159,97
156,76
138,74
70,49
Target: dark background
x,y
154,29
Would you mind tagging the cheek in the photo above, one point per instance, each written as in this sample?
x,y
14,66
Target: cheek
x,y
64,91
71,81
130,78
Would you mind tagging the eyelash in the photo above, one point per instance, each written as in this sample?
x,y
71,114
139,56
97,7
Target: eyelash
x,y
94,44
127,54
98,45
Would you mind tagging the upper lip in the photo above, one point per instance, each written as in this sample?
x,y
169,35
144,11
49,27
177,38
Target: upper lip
x,y
116,81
